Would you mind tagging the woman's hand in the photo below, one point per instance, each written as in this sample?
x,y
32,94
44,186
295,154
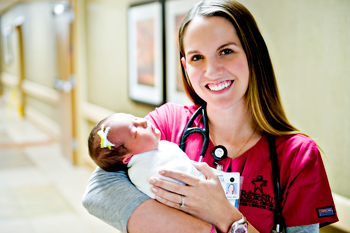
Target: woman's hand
x,y
204,199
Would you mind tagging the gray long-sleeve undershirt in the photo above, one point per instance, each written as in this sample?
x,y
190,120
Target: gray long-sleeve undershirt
x,y
111,197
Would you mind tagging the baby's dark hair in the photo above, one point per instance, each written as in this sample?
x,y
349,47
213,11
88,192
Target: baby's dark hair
x,y
108,160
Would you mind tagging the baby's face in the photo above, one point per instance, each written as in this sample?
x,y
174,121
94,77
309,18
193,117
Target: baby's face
x,y
138,134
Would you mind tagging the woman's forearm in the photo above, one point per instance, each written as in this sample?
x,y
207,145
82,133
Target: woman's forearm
x,y
152,216
111,197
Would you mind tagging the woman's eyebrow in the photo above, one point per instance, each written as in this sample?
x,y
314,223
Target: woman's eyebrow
x,y
192,52
227,44
221,47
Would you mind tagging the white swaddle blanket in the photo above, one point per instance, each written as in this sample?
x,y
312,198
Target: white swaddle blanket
x,y
168,156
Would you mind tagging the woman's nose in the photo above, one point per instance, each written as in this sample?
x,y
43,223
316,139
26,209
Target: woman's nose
x,y
213,69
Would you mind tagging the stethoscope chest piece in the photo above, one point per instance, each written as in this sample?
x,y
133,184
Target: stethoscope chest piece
x,y
219,153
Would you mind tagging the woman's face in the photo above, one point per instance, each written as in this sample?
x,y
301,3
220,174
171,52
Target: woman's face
x,y
231,189
215,61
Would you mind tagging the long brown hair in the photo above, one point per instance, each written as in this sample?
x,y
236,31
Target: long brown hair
x,y
263,98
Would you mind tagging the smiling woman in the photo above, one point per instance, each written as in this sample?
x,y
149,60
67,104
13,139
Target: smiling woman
x,y
218,72
227,69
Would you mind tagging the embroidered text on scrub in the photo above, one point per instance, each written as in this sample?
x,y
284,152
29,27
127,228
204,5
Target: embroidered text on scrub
x,y
103,135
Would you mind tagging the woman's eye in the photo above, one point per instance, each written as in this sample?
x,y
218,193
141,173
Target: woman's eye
x,y
226,51
196,57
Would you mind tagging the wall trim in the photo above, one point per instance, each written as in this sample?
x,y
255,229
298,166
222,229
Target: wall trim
x,y
342,205
43,122
94,113
9,80
38,91
41,92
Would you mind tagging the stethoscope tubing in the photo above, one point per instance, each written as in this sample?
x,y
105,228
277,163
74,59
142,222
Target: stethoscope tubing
x,y
203,131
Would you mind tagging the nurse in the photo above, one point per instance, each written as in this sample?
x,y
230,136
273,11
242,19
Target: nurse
x,y
226,66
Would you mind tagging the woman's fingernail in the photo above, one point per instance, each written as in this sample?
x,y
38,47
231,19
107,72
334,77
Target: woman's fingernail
x,y
159,198
162,172
152,181
154,190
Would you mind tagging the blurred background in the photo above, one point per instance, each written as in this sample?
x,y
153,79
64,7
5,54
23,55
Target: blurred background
x,y
64,67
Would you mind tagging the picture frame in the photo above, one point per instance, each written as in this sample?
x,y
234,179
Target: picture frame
x,y
145,50
175,12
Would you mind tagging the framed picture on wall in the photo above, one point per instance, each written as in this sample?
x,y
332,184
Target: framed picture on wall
x,y
145,53
175,12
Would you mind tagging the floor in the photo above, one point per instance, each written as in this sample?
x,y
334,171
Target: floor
x,y
40,191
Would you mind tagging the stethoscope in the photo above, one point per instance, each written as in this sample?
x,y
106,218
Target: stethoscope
x,y
219,153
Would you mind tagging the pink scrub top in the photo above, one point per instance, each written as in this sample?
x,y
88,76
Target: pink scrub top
x,y
307,197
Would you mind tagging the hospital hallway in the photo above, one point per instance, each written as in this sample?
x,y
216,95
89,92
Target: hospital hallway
x,y
40,191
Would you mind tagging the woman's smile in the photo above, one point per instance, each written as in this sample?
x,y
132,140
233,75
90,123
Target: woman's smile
x,y
220,86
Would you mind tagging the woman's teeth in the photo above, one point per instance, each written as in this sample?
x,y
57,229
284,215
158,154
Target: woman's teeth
x,y
219,86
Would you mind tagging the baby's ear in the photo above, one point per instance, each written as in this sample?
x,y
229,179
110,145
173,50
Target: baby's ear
x,y
127,158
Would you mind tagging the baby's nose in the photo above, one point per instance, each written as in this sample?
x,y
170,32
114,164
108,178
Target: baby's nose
x,y
142,122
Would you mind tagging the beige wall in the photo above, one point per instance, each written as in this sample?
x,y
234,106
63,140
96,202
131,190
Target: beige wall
x,y
310,49
308,42
106,57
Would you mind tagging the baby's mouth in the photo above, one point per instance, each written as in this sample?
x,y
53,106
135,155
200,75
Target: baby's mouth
x,y
219,86
154,129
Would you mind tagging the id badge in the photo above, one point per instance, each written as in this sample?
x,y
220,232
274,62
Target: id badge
x,y
231,183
